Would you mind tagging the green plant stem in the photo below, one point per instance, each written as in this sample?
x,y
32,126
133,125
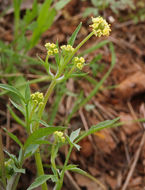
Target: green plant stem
x,y
38,159
47,95
39,166
2,165
60,183
84,41
17,176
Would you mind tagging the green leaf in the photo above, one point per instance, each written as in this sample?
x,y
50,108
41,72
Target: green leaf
x,y
39,181
30,150
98,127
12,89
74,35
12,156
16,118
14,138
82,172
42,142
70,167
42,132
30,15
74,135
72,143
60,4
27,93
20,108
18,170
44,21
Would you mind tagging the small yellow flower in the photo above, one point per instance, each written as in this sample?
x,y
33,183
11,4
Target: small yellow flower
x,y
82,60
79,66
49,52
51,48
67,48
100,26
37,98
59,136
79,62
55,50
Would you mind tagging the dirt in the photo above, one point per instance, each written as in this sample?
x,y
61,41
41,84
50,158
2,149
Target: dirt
x,y
111,155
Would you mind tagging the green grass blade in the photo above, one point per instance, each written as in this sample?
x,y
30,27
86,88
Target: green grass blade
x,y
12,89
74,35
14,137
96,89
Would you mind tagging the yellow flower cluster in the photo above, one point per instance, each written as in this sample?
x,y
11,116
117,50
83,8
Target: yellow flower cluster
x,y
59,136
38,98
51,48
100,26
79,62
67,48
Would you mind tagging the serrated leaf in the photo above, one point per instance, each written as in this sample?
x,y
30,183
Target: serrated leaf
x,y
74,35
41,132
12,89
98,127
74,135
39,181
15,138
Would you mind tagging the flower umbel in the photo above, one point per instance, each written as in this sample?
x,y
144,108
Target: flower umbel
x,y
100,26
58,135
67,48
37,98
79,62
51,48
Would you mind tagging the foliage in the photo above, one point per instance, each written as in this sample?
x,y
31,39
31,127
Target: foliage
x,y
114,5
32,107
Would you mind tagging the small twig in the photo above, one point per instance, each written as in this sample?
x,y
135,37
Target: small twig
x,y
136,157
85,123
133,113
